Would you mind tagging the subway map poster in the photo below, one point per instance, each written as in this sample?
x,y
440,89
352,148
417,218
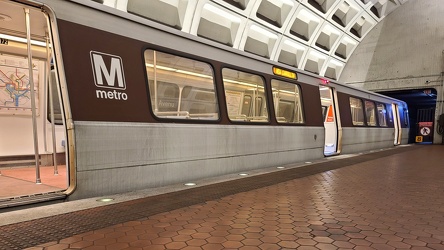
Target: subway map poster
x,y
15,88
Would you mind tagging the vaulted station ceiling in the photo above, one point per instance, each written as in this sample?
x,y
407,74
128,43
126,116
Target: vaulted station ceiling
x,y
313,35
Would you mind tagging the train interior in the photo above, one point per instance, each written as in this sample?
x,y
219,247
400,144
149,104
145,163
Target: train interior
x,y
180,88
32,130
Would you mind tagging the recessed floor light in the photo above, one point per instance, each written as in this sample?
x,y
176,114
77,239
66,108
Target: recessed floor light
x,y
308,162
190,184
280,167
243,174
105,199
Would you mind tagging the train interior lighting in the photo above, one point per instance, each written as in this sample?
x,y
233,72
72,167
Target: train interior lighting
x,y
21,40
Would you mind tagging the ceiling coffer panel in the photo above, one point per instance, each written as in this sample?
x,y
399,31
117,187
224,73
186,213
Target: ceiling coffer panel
x,y
314,35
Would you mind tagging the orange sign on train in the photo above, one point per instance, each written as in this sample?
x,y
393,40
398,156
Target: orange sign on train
x,y
330,117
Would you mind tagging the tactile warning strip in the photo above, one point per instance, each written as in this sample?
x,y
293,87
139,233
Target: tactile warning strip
x,y
35,232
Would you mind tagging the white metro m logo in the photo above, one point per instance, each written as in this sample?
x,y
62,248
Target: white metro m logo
x,y
108,73
101,71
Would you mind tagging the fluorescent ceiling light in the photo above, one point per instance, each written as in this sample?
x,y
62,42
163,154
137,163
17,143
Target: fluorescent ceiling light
x,y
22,40
326,99
178,71
244,83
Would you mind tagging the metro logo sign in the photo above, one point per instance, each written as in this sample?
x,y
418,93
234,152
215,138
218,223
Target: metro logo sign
x,y
115,70
108,73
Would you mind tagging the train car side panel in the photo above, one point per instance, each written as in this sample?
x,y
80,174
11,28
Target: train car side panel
x,y
356,139
312,105
121,157
344,107
104,75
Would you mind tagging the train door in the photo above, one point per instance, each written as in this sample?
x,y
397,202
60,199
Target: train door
x,y
32,130
397,124
331,123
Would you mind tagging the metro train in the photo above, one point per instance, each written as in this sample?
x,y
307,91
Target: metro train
x,y
136,104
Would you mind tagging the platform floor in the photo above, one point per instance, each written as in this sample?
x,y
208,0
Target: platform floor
x,y
391,199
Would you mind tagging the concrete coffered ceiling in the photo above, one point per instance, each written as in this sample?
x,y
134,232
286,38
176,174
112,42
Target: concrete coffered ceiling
x,y
313,35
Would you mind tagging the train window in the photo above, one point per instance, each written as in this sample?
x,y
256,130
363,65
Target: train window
x,y
370,113
357,111
406,117
382,117
245,96
180,88
287,102
390,113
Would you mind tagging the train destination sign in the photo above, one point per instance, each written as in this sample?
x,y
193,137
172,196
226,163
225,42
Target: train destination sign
x,y
285,73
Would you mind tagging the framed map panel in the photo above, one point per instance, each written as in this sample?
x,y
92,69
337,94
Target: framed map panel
x,y
15,88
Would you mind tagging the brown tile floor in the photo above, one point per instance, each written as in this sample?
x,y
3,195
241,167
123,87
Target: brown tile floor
x,y
385,202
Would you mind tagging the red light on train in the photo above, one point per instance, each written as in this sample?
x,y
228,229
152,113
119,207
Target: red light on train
x,y
325,81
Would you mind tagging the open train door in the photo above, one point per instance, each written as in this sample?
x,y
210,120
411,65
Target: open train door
x,y
396,124
32,128
332,124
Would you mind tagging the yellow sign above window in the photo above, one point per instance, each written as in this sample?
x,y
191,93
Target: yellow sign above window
x,y
285,73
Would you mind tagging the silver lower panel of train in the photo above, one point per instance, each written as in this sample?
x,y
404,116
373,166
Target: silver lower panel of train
x,y
122,157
